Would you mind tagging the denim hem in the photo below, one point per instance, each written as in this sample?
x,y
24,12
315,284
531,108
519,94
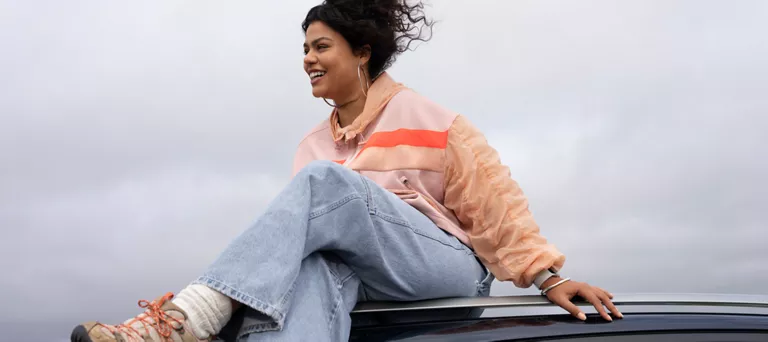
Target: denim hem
x,y
277,315
257,328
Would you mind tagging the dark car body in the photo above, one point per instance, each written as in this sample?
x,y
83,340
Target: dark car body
x,y
656,318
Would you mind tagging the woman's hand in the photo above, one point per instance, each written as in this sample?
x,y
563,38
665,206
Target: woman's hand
x,y
563,293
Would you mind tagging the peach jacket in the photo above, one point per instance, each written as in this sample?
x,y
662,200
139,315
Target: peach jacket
x,y
439,163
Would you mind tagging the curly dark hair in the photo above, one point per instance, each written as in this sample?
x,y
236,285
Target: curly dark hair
x,y
387,26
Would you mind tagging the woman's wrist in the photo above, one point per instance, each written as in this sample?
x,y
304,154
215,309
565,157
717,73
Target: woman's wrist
x,y
553,285
551,281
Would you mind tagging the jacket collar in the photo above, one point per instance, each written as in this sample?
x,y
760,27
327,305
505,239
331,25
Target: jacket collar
x,y
382,90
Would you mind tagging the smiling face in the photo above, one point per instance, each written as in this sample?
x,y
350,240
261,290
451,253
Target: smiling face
x,y
331,64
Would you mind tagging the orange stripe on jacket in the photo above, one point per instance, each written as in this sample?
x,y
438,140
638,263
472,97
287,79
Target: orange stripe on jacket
x,y
407,137
410,137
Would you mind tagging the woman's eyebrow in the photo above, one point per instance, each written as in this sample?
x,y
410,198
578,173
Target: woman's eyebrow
x,y
317,40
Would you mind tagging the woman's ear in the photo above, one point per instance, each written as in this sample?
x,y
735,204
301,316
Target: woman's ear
x,y
365,54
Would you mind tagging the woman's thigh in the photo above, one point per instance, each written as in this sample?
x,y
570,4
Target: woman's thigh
x,y
410,258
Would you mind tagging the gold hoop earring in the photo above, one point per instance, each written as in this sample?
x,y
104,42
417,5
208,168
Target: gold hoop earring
x,y
328,103
360,78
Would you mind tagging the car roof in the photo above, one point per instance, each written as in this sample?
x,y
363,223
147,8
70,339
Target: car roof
x,y
534,317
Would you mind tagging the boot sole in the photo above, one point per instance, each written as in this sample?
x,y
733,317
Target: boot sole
x,y
79,334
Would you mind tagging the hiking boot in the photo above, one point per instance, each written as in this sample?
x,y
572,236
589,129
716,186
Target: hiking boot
x,y
161,321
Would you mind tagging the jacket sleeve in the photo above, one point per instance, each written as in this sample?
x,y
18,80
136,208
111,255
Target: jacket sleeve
x,y
493,209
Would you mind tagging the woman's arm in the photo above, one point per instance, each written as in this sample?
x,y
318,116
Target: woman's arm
x,y
494,211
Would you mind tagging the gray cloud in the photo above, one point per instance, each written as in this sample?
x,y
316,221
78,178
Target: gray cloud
x,y
637,129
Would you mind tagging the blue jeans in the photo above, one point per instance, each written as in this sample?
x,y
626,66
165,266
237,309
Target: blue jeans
x,y
332,238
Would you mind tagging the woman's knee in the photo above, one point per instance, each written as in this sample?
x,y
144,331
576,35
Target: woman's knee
x,y
329,172
325,168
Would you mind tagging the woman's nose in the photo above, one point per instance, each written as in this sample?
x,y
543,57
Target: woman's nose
x,y
310,58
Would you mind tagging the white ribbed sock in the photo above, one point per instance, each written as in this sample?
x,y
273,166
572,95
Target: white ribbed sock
x,y
207,309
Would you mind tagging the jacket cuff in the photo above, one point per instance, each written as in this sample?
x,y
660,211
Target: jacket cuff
x,y
542,277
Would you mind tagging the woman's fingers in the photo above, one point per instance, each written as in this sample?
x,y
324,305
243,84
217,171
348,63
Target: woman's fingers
x,y
610,295
596,296
589,294
609,304
563,300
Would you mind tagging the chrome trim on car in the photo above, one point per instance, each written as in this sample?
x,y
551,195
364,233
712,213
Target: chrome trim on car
x,y
652,299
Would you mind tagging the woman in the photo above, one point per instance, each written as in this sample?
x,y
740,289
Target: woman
x,y
393,198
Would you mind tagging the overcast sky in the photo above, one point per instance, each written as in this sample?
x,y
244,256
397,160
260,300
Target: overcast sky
x,y
137,138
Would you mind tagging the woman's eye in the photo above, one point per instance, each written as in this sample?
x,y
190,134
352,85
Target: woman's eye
x,y
319,47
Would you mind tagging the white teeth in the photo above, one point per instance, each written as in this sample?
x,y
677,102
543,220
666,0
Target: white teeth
x,y
316,74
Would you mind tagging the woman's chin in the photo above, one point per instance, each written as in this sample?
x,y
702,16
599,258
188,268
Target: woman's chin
x,y
318,92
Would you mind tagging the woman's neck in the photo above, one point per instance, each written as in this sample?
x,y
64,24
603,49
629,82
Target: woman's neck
x,y
348,112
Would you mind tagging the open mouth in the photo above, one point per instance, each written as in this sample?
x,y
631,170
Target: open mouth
x,y
315,76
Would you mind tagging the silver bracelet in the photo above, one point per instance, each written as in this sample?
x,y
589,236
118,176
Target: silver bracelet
x,y
550,287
